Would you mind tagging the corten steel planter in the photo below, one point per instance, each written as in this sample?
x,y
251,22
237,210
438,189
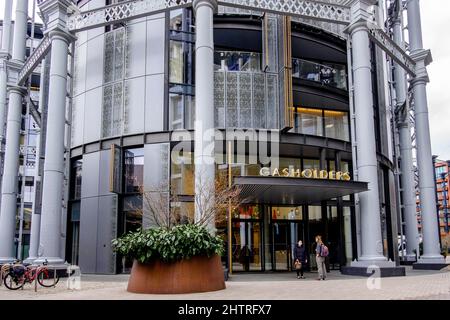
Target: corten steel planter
x,y
198,274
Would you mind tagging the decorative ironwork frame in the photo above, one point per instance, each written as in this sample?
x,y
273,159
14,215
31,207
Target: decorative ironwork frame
x,y
34,60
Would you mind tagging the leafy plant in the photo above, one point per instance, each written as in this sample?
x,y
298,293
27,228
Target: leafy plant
x,y
169,244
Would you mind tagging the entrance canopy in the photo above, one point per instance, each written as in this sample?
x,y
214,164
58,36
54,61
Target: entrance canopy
x,y
295,191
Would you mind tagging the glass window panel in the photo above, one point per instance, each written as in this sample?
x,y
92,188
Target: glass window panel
x,y
182,174
311,164
336,125
134,170
315,213
248,212
176,62
308,121
287,213
176,111
75,211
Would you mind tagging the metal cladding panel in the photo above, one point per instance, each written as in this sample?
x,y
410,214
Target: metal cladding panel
x,y
155,46
89,184
88,234
94,63
134,105
136,49
154,103
80,69
104,173
106,232
92,115
77,120
156,166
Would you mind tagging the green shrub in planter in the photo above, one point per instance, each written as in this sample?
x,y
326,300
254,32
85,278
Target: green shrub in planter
x,y
169,245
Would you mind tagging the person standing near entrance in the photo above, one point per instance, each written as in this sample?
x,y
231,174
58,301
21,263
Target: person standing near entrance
x,y
321,253
300,259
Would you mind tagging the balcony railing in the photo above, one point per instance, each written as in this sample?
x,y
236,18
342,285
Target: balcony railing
x,y
328,75
237,61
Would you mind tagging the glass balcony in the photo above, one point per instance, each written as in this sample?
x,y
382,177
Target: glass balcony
x,y
332,75
237,61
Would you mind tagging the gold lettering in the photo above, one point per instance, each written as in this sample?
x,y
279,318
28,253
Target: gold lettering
x,y
275,172
315,175
285,172
323,174
346,176
264,172
307,173
296,173
338,175
332,175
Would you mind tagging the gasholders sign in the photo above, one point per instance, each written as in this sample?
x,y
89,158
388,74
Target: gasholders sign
x,y
307,173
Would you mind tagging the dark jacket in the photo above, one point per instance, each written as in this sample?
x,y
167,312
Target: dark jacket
x,y
300,254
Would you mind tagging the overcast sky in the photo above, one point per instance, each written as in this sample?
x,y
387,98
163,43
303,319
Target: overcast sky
x,y
436,35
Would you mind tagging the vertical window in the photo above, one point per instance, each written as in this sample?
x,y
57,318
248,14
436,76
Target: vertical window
x,y
309,121
134,170
181,70
73,225
336,125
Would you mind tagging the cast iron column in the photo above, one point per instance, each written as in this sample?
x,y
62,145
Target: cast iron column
x,y
11,168
204,108
4,56
407,169
430,230
52,188
367,165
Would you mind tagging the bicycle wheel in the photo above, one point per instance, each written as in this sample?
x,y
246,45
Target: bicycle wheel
x,y
47,279
12,282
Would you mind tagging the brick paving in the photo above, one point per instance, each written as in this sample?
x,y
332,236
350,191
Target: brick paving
x,y
430,285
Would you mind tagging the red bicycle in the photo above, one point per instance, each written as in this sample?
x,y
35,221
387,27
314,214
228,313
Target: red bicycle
x,y
17,275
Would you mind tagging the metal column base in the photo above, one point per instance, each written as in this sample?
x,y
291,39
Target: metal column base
x,y
384,272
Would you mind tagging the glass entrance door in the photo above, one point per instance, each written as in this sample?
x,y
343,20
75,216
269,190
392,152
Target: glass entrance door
x,y
247,245
287,229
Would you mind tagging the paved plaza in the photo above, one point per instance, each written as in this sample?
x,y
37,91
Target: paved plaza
x,y
270,286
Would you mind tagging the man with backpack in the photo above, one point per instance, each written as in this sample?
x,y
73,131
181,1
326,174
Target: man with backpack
x,y
321,254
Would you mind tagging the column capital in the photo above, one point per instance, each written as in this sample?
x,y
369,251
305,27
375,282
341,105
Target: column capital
x,y
210,3
56,14
13,68
422,58
360,15
61,35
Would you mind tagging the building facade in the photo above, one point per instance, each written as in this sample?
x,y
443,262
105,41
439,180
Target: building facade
x,y
296,105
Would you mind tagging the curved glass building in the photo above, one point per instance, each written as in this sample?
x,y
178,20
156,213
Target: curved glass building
x,y
303,106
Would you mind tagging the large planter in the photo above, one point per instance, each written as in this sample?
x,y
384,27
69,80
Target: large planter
x,y
198,274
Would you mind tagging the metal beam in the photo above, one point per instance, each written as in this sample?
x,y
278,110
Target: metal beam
x,y
391,48
311,9
34,112
122,12
34,60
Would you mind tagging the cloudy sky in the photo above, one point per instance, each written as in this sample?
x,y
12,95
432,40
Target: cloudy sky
x,y
436,28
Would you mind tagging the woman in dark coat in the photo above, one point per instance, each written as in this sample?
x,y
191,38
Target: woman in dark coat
x,y
300,256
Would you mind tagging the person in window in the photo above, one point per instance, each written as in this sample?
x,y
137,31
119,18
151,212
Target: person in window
x,y
300,259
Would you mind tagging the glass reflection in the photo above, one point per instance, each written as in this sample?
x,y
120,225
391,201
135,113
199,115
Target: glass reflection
x,y
134,170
